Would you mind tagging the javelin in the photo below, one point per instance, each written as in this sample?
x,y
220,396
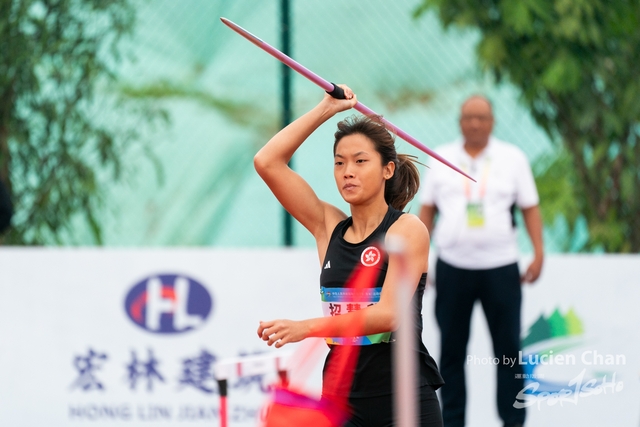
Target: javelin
x,y
335,91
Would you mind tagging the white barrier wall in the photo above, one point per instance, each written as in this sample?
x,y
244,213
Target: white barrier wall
x,y
75,350
580,329
93,337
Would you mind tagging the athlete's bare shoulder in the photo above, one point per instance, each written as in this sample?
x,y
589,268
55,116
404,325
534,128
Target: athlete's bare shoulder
x,y
415,238
412,231
409,224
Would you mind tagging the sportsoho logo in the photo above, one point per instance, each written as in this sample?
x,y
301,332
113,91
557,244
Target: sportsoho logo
x,y
168,304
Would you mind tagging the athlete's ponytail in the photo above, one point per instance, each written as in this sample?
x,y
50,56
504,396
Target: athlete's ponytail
x,y
404,184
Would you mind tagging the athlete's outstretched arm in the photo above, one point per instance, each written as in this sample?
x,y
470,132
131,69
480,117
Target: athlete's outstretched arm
x,y
378,318
271,163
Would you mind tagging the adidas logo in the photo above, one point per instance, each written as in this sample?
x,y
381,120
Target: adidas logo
x,y
328,265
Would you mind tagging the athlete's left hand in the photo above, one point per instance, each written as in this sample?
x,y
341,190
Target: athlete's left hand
x,y
282,331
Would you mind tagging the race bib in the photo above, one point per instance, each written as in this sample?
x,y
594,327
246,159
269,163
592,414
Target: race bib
x,y
338,301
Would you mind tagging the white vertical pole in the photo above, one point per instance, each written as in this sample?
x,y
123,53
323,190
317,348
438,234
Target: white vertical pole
x,y
405,367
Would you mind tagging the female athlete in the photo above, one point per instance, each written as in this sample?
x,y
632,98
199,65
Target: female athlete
x,y
377,183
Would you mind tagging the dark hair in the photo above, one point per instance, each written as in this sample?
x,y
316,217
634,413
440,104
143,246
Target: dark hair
x,y
404,184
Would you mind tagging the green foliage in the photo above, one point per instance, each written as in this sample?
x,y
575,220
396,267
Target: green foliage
x,y
56,141
237,112
574,61
403,98
223,182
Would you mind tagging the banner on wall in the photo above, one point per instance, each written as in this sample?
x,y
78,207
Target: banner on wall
x,y
94,337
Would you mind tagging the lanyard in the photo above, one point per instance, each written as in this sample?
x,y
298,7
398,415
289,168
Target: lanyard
x,y
482,182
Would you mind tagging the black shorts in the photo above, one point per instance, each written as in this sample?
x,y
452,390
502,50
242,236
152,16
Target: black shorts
x,y
378,411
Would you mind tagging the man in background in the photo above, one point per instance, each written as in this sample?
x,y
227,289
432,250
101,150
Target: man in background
x,y
475,238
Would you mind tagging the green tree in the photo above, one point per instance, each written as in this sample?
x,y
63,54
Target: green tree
x,y
575,64
63,129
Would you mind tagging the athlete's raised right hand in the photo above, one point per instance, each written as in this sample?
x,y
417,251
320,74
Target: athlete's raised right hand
x,y
335,105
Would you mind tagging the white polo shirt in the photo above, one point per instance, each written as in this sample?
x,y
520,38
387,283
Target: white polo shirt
x,y
474,229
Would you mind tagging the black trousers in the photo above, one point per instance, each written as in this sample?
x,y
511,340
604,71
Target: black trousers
x,y
499,292
378,411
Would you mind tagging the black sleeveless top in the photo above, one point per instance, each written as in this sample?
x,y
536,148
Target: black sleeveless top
x,y
373,374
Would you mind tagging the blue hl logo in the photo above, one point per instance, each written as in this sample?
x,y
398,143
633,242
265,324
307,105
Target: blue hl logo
x,y
168,304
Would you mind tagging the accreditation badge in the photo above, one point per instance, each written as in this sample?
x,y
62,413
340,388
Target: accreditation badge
x,y
475,215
